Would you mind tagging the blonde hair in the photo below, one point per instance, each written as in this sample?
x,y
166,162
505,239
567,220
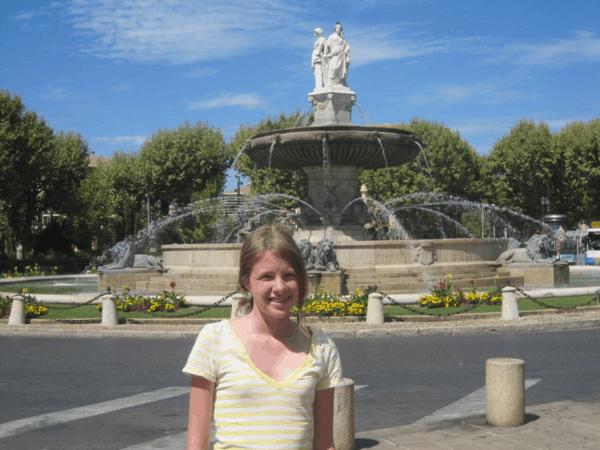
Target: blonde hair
x,y
277,239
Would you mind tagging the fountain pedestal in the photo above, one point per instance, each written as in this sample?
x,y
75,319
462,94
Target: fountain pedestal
x,y
332,106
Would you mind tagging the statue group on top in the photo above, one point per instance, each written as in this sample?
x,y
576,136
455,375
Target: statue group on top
x,y
330,59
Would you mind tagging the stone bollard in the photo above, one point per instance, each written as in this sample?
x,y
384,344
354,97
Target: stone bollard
x,y
375,309
505,392
17,311
109,311
343,415
510,307
236,309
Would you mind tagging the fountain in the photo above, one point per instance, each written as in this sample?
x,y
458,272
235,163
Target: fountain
x,y
333,152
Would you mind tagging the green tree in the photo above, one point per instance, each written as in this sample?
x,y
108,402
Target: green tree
x,y
521,169
263,179
448,164
27,150
578,147
186,164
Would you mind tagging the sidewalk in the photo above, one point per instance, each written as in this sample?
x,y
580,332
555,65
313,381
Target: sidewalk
x,y
564,425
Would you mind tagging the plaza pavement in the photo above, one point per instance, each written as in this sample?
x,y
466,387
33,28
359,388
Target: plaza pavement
x,y
566,425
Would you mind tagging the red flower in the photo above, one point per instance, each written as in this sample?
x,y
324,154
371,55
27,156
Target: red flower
x,y
471,282
173,284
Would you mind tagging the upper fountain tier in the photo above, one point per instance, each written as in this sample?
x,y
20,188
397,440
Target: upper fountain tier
x,y
367,147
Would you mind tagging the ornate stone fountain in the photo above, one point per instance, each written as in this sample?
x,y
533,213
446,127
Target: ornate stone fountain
x,y
333,152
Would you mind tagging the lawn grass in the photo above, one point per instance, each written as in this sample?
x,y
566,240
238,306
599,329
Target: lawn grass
x,y
223,312
90,312
524,305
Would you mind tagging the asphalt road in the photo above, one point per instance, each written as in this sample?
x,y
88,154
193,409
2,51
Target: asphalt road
x,y
407,379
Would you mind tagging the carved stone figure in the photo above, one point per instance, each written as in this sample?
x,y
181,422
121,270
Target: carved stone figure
x,y
337,53
146,262
325,259
124,258
318,61
538,250
306,249
425,253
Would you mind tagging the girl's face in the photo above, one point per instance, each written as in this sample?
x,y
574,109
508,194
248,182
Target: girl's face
x,y
274,285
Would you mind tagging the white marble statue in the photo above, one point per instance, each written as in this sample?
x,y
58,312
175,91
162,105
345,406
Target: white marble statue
x,y
337,54
319,64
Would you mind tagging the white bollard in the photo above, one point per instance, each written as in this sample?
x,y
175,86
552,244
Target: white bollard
x,y
236,309
109,311
505,392
375,309
343,415
17,311
510,307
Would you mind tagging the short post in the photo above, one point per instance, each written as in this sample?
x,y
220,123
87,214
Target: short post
x,y
236,309
343,415
505,392
17,311
510,307
109,311
375,309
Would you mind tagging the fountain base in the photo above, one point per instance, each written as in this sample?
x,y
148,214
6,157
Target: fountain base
x,y
332,106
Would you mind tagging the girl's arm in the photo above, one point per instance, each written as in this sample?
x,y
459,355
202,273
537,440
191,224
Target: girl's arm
x,y
323,420
201,404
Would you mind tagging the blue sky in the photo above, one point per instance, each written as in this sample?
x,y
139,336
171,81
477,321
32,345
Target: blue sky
x,y
117,71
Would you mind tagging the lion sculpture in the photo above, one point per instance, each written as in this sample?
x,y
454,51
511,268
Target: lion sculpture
x,y
325,259
538,250
306,249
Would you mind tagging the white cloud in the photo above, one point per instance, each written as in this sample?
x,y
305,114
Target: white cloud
x,y
248,101
493,91
55,93
181,31
101,139
200,72
583,47
119,88
24,16
136,140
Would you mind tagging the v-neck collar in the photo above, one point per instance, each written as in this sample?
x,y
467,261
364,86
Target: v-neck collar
x,y
276,384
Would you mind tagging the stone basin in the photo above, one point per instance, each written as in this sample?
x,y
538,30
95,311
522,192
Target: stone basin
x,y
346,146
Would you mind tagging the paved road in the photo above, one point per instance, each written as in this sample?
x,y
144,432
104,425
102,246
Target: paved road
x,y
407,380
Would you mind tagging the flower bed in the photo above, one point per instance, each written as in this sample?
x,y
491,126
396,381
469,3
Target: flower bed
x,y
32,308
168,301
322,304
443,296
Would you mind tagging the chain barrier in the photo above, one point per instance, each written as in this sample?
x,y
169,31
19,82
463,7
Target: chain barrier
x,y
562,308
190,314
30,298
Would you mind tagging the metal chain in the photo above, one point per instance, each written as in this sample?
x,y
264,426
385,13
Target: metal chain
x,y
29,298
190,314
562,308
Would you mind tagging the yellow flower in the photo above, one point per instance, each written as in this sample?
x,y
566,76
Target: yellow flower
x,y
449,276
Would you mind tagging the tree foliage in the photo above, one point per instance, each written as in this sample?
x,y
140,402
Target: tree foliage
x,y
448,164
577,147
185,164
521,169
265,180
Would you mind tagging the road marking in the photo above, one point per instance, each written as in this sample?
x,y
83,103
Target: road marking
x,y
178,441
55,418
471,405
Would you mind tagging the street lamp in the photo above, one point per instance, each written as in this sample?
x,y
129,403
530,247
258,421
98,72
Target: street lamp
x,y
545,208
146,204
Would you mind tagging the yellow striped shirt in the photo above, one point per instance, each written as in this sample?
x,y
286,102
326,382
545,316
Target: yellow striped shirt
x,y
251,410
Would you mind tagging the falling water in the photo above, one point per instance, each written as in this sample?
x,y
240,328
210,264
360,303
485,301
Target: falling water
x,y
427,163
383,153
271,156
237,157
363,117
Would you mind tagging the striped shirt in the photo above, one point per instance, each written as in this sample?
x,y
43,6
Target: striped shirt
x,y
252,410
